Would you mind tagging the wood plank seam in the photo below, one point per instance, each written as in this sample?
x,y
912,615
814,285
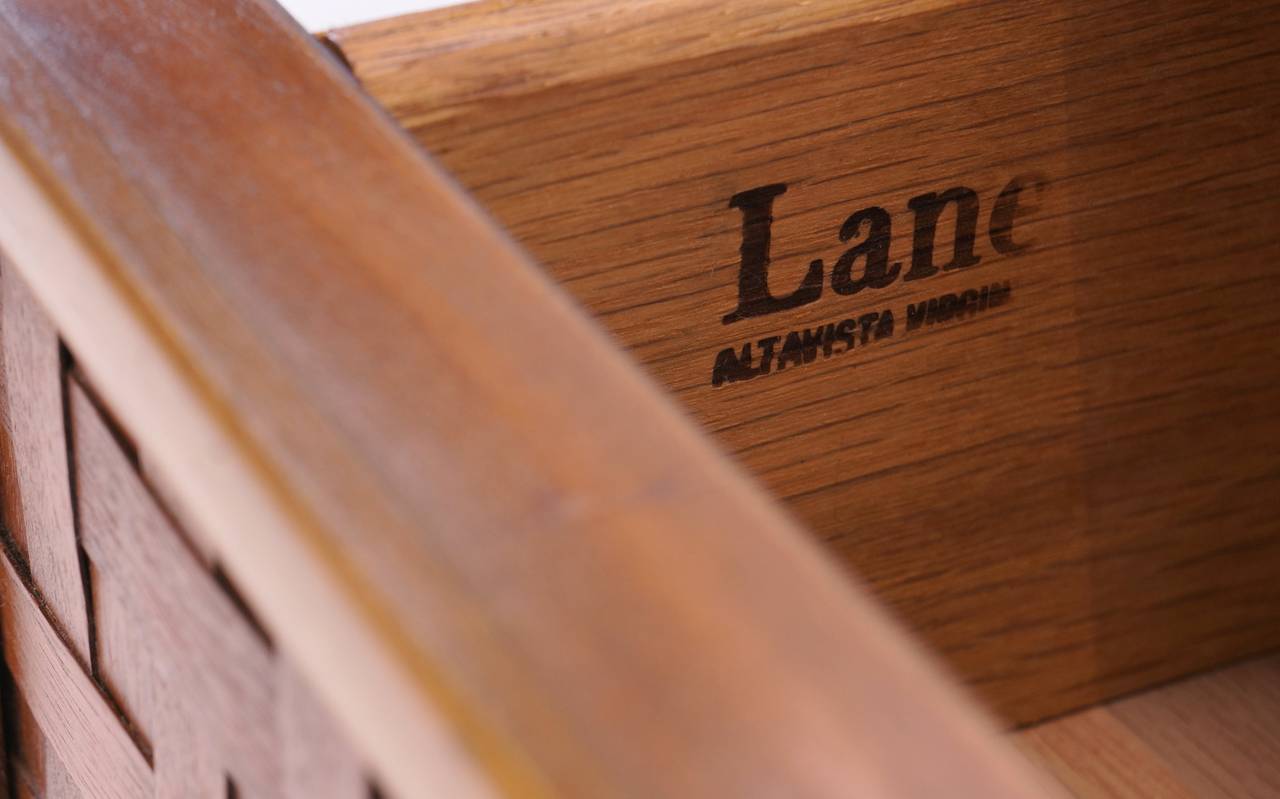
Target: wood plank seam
x,y
217,575
167,624
136,460
37,504
128,447
86,585
94,741
19,569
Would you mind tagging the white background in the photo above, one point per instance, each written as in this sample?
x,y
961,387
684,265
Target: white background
x,y
321,15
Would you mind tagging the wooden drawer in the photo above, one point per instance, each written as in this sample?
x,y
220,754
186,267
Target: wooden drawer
x,y
980,290
316,476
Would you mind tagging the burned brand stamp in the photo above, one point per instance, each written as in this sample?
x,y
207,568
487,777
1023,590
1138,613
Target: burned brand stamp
x,y
865,267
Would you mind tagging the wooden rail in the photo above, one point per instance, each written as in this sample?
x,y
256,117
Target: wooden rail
x,y
495,549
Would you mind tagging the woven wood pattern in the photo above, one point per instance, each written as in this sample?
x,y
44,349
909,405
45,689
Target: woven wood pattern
x,y
159,683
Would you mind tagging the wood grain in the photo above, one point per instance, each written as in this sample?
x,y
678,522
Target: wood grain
x,y
1095,754
184,664
1070,496
36,502
37,771
80,726
507,562
1211,737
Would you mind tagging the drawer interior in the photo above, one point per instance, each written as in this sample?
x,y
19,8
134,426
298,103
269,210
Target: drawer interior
x,y
980,291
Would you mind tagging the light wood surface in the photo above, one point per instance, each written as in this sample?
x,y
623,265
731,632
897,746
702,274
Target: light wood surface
x,y
1072,494
1215,736
499,553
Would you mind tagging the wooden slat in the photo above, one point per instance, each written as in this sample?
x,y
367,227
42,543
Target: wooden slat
x,y
507,562
1212,737
36,500
81,728
1070,495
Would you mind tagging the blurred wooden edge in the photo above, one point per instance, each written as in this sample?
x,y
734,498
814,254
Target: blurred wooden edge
x,y
119,218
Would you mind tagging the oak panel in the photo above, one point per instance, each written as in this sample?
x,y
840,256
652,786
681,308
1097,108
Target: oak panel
x,y
1070,494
